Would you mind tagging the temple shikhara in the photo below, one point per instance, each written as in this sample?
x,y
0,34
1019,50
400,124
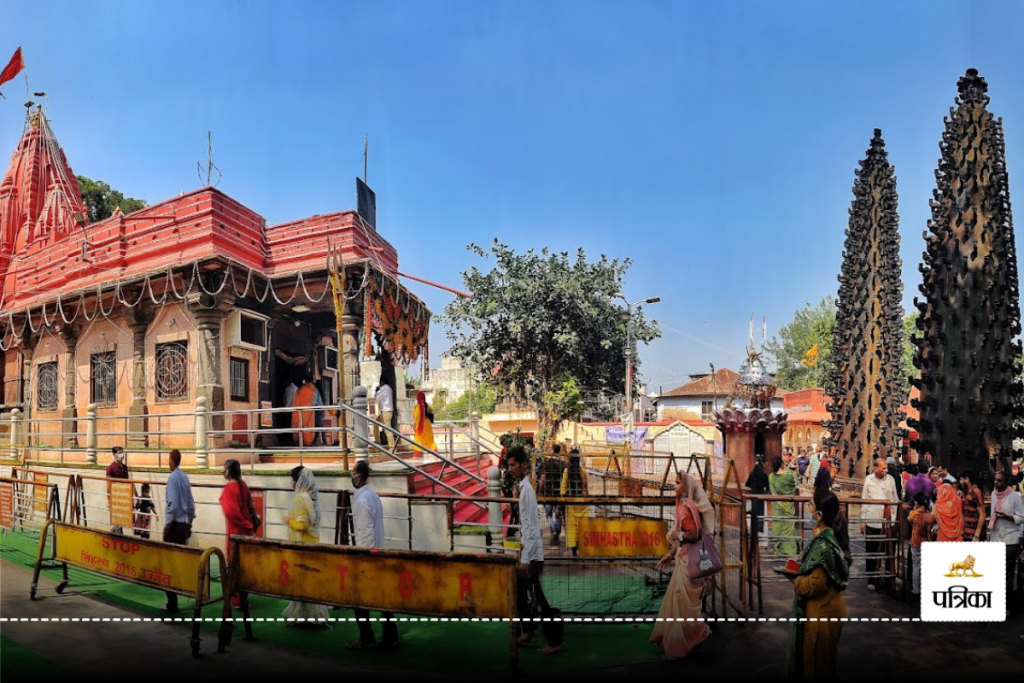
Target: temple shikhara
x,y
141,315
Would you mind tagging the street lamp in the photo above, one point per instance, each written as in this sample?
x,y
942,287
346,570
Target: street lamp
x,y
629,353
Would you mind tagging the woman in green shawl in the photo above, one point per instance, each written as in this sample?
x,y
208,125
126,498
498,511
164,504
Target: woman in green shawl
x,y
783,483
818,604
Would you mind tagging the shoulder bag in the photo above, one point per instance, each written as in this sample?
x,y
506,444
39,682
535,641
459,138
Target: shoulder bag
x,y
702,556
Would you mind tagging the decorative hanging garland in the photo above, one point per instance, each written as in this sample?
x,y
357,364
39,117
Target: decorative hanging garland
x,y
401,326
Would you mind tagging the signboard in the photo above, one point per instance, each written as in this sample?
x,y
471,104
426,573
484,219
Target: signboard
x,y
622,537
160,565
40,493
266,418
121,505
391,581
618,435
259,502
7,504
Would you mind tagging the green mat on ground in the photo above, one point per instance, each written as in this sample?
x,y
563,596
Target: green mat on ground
x,y
18,660
431,646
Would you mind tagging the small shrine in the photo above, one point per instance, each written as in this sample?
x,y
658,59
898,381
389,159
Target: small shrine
x,y
194,299
750,427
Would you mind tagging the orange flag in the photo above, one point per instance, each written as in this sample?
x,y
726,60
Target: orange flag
x,y
13,68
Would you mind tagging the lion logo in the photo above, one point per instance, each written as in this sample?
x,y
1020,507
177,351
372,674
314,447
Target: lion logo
x,y
961,568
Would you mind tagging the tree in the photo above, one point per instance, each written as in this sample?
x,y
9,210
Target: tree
x,y
811,326
970,384
538,320
101,200
482,398
867,383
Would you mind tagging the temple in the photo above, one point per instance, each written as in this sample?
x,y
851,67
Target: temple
x,y
143,314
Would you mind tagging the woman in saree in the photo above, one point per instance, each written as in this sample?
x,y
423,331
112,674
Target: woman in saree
x,y
818,604
304,526
783,483
574,485
422,422
236,502
949,514
680,628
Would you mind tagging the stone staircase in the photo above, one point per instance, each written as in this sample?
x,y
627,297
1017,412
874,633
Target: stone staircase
x,y
465,512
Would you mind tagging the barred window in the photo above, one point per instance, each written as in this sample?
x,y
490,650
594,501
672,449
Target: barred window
x,y
239,379
48,387
172,370
103,378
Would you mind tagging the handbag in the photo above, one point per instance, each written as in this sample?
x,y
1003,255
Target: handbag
x,y
703,559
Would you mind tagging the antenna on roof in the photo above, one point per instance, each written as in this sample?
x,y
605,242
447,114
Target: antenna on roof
x,y
366,153
210,166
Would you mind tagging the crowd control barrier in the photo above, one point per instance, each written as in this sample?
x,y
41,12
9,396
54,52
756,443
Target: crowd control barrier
x,y
400,581
163,566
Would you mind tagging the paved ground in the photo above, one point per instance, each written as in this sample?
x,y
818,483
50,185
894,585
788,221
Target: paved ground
x,y
751,651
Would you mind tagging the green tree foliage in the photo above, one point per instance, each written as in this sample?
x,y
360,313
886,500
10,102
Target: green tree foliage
x,y
537,320
483,399
563,402
812,324
101,200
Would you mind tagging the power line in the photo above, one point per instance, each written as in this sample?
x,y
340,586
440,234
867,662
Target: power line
x,y
700,341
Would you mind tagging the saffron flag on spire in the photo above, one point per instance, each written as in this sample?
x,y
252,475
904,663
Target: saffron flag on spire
x,y
13,68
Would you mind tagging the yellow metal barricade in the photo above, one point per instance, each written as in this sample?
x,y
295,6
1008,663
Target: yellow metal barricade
x,y
162,566
401,581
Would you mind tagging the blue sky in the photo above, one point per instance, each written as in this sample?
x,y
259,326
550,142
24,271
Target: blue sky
x,y
712,143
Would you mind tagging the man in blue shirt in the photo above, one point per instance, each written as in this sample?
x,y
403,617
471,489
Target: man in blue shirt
x,y
181,510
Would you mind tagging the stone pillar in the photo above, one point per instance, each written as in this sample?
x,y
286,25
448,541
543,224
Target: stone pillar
x,y
70,336
348,378
208,312
359,445
27,347
494,516
138,320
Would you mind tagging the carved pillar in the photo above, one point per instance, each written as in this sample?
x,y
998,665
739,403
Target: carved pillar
x,y
349,375
70,336
138,320
208,312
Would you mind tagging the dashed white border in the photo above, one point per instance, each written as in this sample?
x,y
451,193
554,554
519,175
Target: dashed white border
x,y
471,619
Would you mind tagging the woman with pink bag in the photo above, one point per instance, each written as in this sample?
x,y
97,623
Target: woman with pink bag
x,y
682,602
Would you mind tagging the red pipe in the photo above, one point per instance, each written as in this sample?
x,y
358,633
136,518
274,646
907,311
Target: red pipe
x,y
434,284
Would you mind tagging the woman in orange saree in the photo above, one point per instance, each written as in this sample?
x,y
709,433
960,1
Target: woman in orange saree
x,y
305,420
422,422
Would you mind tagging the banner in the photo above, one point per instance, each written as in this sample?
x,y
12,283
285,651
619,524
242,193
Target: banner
x,y
616,434
622,537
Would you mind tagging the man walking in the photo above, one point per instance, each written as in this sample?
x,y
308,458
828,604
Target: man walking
x,y
802,463
368,520
531,558
878,519
181,510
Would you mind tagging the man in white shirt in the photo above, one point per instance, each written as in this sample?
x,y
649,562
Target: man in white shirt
x,y
878,519
386,405
368,520
531,558
1004,522
815,463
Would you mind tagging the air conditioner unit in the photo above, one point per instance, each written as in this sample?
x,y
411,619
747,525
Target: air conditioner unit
x,y
330,359
246,330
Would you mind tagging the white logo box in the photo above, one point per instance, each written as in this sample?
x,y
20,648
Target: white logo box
x,y
964,597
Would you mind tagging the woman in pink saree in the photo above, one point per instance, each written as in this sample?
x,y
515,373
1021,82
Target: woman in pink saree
x,y
682,601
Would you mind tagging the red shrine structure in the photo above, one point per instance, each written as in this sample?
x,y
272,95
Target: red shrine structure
x,y
142,314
